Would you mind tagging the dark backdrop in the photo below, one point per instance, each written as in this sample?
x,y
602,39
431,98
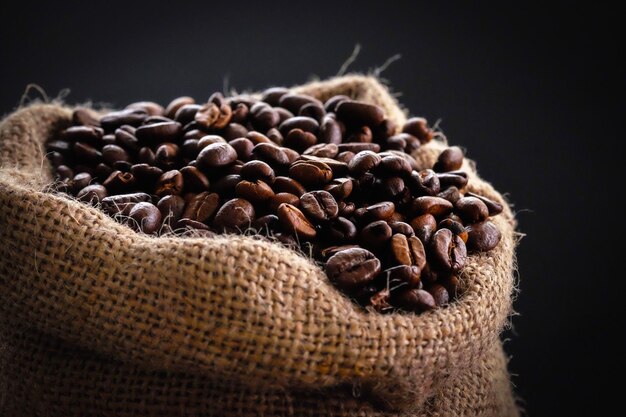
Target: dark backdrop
x,y
526,90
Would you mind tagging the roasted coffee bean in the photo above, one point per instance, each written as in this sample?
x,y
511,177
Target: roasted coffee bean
x,y
356,113
448,251
380,301
109,139
494,207
243,147
363,162
345,156
329,251
299,140
64,173
471,209
340,188
323,150
340,169
86,153
424,226
311,173
272,95
235,215
123,203
234,130
452,285
150,107
171,208
402,228
340,230
256,192
362,135
176,104
100,173
216,155
202,207
375,234
452,194
294,221
170,182
358,147
346,209
319,206
146,175
436,206
83,116
483,237
146,216
159,132
450,159
418,127
92,194
313,110
127,139
303,123
424,182
194,179
280,198
395,165
408,251
213,116
352,268
186,113
331,104
113,120
195,226
379,211
272,154
167,155
452,179
390,187
79,181
294,102
119,182
266,223
264,117
288,185
414,300
275,136
403,142
146,156
256,138
61,146
90,135
207,140
113,153
455,227
329,131
439,293
402,276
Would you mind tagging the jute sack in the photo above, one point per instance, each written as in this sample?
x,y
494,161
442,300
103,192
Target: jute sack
x,y
96,319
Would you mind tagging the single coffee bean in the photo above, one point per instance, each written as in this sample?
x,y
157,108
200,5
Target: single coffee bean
x,y
146,175
234,131
450,159
288,185
146,216
340,230
431,205
79,181
408,251
90,135
379,211
171,208
216,155
455,227
202,207
390,187
186,114
313,110
167,155
331,104
362,135
329,131
86,153
256,192
395,165
447,251
64,173
280,198
424,226
323,150
352,268
272,154
225,186
159,132
340,188
418,127
452,194
375,234
299,140
494,207
120,182
329,251
84,116
272,95
170,182
235,215
311,173
263,117
113,120
123,203
363,162
415,300
424,183
346,209
207,140
194,179
61,146
483,237
176,104
275,136
356,113
472,209
319,206
150,107
294,102
340,169
243,147
439,293
100,173
306,124
114,153
146,156
401,227
266,224
92,194
456,179
358,147
402,276
212,115
295,222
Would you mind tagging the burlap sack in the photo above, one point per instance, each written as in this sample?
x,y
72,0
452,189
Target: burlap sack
x,y
96,319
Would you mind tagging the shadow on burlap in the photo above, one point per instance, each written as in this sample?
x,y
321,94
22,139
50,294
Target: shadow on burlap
x,y
96,319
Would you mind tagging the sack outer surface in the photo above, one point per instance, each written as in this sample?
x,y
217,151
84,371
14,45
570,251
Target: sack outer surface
x,y
96,319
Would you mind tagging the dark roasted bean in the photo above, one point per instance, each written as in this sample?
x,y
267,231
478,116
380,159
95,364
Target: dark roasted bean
x,y
119,182
424,226
170,182
424,182
272,95
395,165
306,124
266,223
455,227
414,300
167,156
92,194
234,131
186,113
332,103
361,135
436,206
150,107
123,203
294,102
319,206
329,131
216,155
340,230
450,159
213,116
358,147
375,234
452,179
90,135
288,185
494,207
79,181
452,194
146,216
408,251
176,104
418,127
448,252
311,173
379,211
271,153
322,150
346,209
483,237
280,198
380,301
159,132
439,293
132,117
352,268
294,221
243,147
236,214
402,228
471,209
313,110
256,192
357,113
113,153
340,188
202,207
363,162
299,140
402,276
84,116
171,208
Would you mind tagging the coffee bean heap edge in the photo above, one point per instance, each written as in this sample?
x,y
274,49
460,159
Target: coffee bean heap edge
x,y
333,179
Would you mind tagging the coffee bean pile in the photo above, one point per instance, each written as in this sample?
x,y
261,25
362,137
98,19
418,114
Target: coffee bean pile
x,y
335,179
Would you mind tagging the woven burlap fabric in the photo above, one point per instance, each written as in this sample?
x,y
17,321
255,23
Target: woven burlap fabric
x,y
96,316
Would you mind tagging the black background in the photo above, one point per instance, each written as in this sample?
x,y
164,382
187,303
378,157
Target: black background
x,y
527,90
